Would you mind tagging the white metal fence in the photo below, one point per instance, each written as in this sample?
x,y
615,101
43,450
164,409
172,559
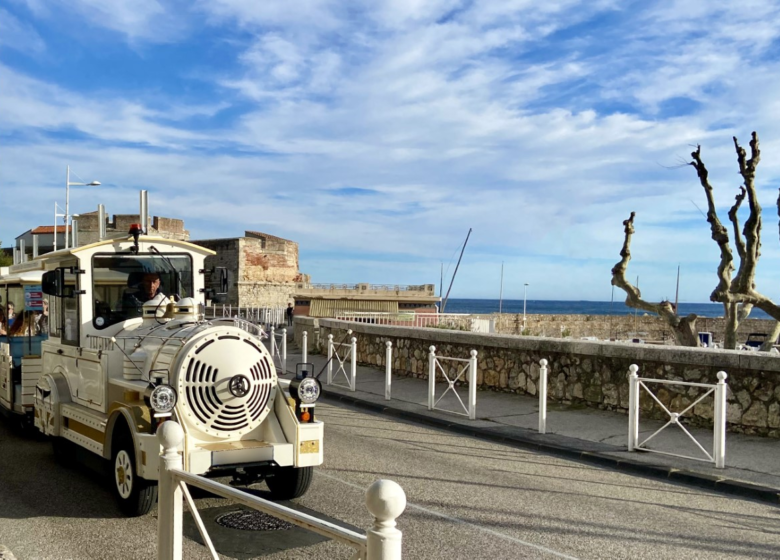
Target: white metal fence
x,y
434,365
453,321
261,315
342,352
385,501
636,384
279,351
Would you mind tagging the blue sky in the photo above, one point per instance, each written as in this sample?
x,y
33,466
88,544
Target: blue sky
x,y
376,134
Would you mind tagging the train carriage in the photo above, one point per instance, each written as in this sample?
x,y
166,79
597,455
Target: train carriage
x,y
128,348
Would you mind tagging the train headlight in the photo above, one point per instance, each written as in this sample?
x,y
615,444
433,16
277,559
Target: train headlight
x,y
163,399
309,390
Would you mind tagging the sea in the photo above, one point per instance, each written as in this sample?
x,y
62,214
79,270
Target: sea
x,y
555,307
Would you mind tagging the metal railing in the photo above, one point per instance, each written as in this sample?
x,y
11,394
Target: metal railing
x,y
636,384
242,324
279,351
453,321
388,368
434,364
350,354
375,287
385,501
260,315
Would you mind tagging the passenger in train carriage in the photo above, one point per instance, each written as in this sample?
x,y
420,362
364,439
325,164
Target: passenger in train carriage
x,y
3,321
24,325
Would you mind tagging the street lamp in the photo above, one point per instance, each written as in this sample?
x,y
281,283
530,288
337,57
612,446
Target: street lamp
x,y
525,292
67,216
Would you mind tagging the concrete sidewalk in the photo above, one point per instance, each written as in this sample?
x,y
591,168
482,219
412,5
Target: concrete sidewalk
x,y
600,437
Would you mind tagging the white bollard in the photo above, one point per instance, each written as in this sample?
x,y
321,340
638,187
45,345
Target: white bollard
x,y
353,364
330,359
284,350
169,500
542,396
633,406
273,345
388,368
386,501
473,385
305,346
431,376
719,440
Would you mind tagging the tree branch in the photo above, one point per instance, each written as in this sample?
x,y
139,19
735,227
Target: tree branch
x,y
745,280
719,233
684,328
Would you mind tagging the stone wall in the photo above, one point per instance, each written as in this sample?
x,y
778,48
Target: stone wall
x,y
88,231
586,373
619,327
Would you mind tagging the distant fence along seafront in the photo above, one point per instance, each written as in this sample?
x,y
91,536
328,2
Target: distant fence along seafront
x,y
549,307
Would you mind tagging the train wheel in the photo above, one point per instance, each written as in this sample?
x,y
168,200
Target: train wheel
x,y
135,495
288,482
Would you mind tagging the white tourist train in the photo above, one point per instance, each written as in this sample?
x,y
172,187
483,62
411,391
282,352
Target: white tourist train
x,y
109,341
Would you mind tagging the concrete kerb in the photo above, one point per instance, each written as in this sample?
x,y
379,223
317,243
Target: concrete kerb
x,y
571,450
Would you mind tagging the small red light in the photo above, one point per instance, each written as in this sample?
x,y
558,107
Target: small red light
x,y
305,416
135,228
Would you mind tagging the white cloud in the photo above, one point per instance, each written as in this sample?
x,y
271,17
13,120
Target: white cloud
x,y
19,36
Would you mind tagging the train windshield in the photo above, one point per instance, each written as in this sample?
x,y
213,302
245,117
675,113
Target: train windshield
x,y
123,283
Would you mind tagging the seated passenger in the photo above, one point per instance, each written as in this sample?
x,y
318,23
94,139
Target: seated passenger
x,y
142,287
24,325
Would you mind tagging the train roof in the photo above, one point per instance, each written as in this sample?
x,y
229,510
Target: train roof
x,y
117,243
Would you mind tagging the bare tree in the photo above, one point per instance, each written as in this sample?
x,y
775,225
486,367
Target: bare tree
x,y
683,328
738,293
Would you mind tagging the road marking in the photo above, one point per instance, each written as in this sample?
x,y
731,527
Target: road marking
x,y
461,521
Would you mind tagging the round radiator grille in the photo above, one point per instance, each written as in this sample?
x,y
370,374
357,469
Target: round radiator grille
x,y
227,383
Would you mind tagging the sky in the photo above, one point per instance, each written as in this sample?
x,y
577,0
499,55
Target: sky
x,y
375,134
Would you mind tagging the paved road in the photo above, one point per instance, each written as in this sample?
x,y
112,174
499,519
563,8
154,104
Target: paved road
x,y
467,499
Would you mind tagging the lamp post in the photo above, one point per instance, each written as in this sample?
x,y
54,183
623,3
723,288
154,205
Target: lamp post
x,y
525,293
68,184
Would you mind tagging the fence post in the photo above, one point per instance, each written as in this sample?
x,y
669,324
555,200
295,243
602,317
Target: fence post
x,y
473,386
388,368
542,396
330,359
273,345
284,350
431,376
305,346
720,421
169,501
353,364
385,501
633,406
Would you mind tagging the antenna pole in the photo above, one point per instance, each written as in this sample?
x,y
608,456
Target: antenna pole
x,y
501,290
444,303
677,292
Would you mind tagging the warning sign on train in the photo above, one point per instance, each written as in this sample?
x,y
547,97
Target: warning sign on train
x,y
33,298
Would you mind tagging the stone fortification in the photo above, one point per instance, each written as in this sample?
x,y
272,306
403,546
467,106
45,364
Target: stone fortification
x,y
262,269
580,372
621,327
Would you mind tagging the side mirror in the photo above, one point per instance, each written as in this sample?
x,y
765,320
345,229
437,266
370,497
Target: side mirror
x,y
223,280
53,284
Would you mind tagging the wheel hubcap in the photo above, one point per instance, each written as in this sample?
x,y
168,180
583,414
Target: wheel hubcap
x,y
123,473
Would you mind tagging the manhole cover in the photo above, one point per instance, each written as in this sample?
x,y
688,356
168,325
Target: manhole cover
x,y
252,521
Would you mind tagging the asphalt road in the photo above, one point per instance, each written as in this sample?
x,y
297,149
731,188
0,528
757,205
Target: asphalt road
x,y
466,499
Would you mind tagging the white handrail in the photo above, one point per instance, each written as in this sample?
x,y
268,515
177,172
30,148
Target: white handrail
x,y
635,385
385,500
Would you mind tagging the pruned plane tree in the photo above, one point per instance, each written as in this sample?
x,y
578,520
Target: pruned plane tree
x,y
736,289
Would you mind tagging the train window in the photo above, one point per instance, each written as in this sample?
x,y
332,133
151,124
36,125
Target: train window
x,y
123,283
